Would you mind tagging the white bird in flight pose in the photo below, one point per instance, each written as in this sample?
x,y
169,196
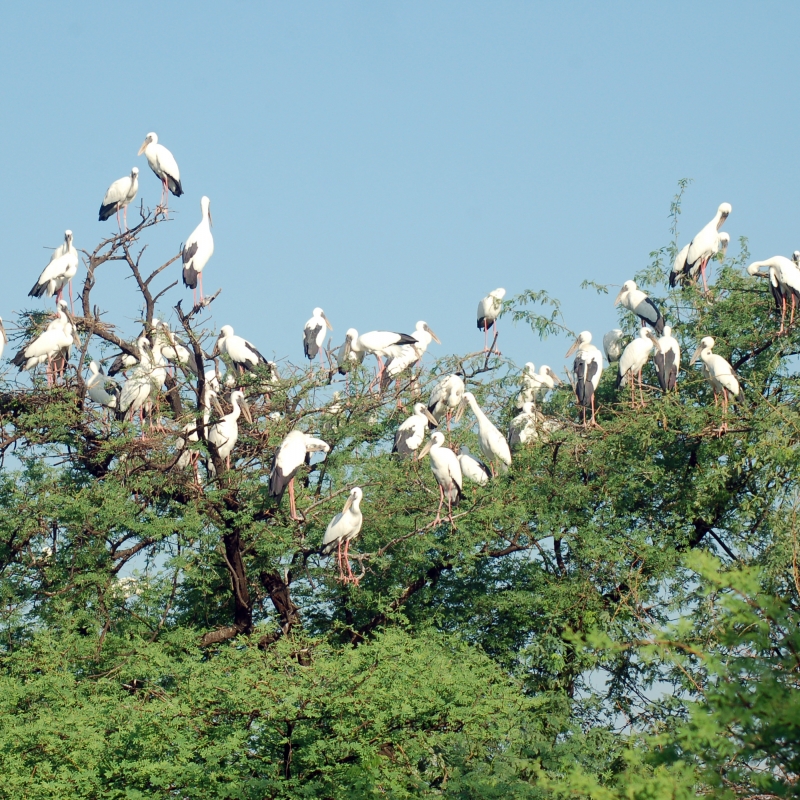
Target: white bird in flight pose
x,y
197,251
120,195
342,529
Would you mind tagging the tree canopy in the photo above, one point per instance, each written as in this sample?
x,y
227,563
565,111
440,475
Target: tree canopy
x,y
614,617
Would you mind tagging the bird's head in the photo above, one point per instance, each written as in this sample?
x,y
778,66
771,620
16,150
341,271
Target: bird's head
x,y
135,173
205,208
237,399
584,337
151,138
754,268
667,331
706,343
436,440
552,374
628,286
225,331
353,499
423,326
724,241
722,212
67,236
498,294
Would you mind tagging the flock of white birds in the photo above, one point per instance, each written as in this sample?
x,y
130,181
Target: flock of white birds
x,y
146,374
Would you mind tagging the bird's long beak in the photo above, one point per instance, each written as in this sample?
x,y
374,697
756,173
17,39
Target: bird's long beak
x,y
619,296
654,340
142,148
724,248
430,417
215,353
217,406
210,221
555,378
425,450
722,219
348,346
330,327
246,410
460,411
574,347
696,355
347,504
433,335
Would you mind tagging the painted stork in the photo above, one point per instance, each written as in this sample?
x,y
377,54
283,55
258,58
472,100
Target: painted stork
x,y
342,529
587,369
447,471
637,301
289,457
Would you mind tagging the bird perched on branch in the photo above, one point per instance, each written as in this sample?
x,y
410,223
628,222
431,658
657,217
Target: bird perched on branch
x,y
165,167
289,457
120,195
225,433
243,354
411,433
314,335
693,258
342,529
197,251
667,360
637,301
633,359
719,373
587,369
447,471
59,272
784,282
488,311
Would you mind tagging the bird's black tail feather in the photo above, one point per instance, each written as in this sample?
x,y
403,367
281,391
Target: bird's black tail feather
x,y
190,277
107,211
175,187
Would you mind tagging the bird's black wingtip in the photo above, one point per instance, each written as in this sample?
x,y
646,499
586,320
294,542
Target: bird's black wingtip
x,y
176,188
190,277
106,212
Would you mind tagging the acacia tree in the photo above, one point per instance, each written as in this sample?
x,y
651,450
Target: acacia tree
x,y
172,635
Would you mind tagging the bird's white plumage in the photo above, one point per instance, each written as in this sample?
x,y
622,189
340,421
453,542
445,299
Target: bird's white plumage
x,y
199,246
411,433
163,163
314,333
492,443
635,356
667,359
639,303
489,308
706,244
445,467
446,396
243,354
290,456
190,434
55,339
120,194
349,353
612,345
473,469
96,387
346,525
587,368
718,371
536,385
62,267
225,433
523,428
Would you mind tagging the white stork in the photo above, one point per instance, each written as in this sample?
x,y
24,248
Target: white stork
x,y
473,469
536,384
405,355
135,394
587,368
488,311
120,195
96,387
411,433
289,457
165,167
447,471
612,345
173,349
59,272
243,354
522,428
705,245
632,361
224,433
719,373
314,335
378,343
784,282
667,360
492,443
342,529
197,251
55,341
446,398
637,301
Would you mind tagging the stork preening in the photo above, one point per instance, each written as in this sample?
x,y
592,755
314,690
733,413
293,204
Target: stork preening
x,y
349,353
667,360
165,167
612,345
632,361
197,251
694,257
120,195
411,433
225,433
587,369
473,469
96,387
59,272
637,301
447,471
342,529
446,398
289,457
492,443
719,373
489,309
314,335
784,283
242,354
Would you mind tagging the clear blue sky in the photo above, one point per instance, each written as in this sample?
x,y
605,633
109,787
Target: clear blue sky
x,y
396,161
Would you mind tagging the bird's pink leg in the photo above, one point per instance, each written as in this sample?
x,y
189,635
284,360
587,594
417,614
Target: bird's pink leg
x,y
450,509
321,362
339,558
59,296
292,506
641,398
496,335
783,314
200,281
703,273
439,510
119,227
350,577
791,318
594,422
125,214
71,306
485,336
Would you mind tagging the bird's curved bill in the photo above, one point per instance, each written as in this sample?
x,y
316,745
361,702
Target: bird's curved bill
x,y
142,148
330,327
460,411
574,347
653,339
348,503
724,249
555,378
430,417
425,450
619,296
433,335
696,355
217,406
210,220
246,410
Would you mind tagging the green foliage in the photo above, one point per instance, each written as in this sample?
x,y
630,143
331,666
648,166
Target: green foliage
x,y
614,618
